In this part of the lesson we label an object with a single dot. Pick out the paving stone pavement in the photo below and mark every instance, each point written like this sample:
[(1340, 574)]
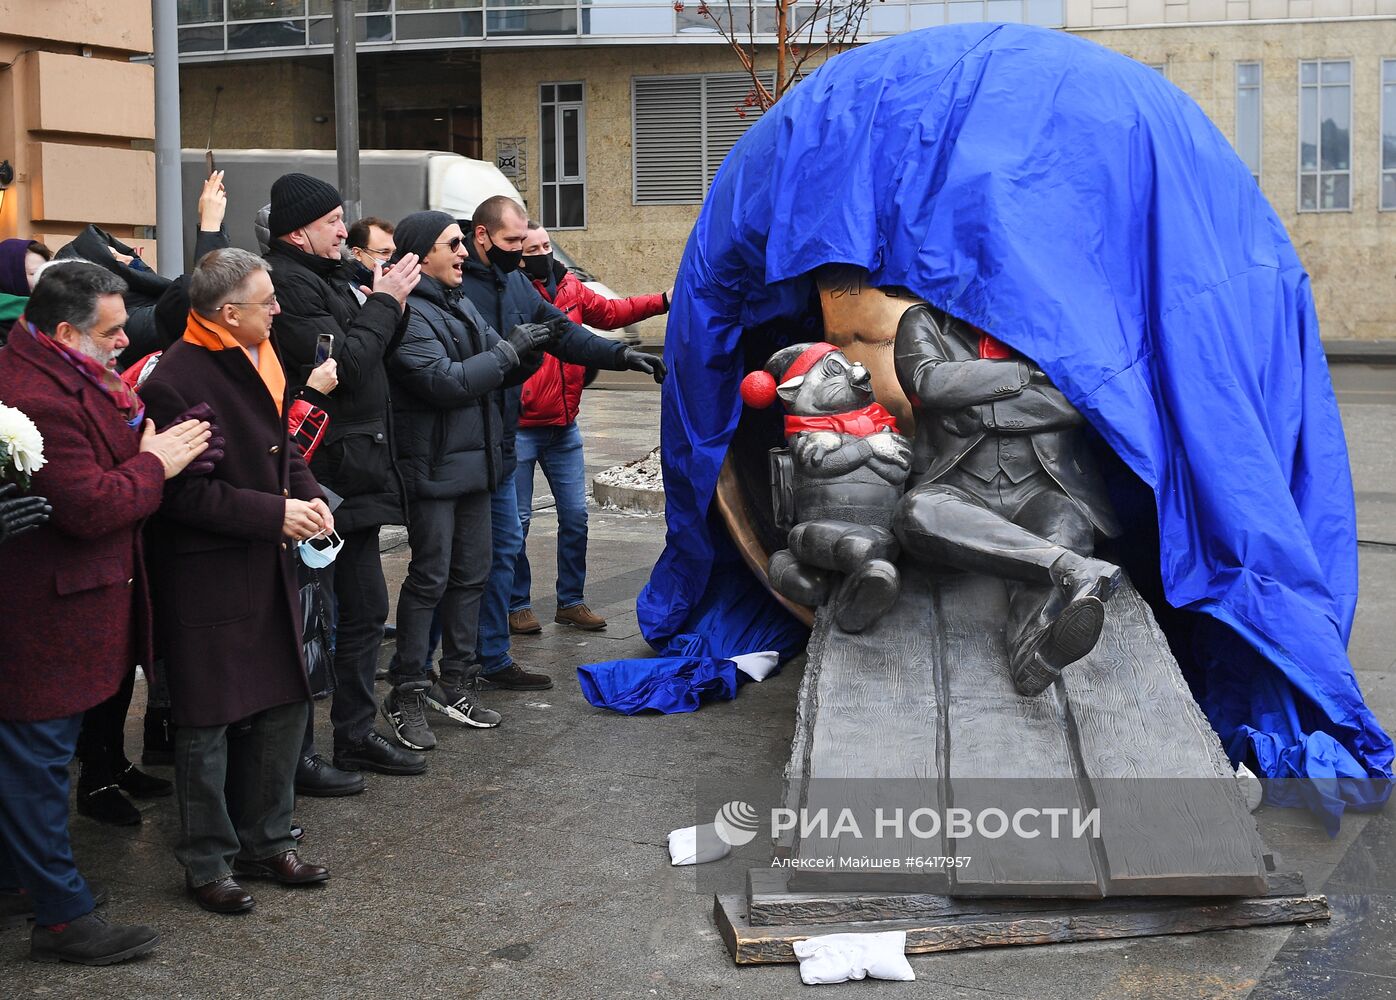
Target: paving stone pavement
[(530, 860)]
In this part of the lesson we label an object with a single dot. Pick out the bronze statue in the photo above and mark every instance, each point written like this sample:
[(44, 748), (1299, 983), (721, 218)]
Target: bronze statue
[(1002, 483), (836, 487)]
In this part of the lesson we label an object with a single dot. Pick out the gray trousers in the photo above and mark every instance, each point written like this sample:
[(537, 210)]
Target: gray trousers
[(1015, 531), (451, 543), (236, 786)]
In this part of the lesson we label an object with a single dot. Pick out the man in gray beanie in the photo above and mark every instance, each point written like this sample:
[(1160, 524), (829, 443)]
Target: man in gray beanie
[(315, 290), (448, 424)]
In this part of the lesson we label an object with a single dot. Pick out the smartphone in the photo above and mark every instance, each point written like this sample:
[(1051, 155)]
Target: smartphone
[(208, 162), (324, 346)]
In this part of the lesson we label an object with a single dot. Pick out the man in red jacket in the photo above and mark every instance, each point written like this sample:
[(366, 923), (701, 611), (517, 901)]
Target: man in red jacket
[(548, 435), (74, 592)]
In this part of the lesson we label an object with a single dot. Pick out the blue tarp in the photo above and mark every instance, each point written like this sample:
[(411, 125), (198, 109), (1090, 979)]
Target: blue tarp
[(1085, 211)]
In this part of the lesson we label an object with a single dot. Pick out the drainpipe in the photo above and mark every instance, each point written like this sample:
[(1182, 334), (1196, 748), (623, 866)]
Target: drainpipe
[(169, 209)]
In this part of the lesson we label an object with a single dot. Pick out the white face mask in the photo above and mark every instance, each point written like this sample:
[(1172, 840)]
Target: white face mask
[(318, 551)]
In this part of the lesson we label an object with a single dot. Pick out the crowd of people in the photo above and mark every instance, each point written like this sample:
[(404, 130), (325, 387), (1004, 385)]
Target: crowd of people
[(221, 453)]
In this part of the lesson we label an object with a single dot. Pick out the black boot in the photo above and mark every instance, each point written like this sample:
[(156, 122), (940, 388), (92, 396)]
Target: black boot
[(106, 804), (867, 594), (140, 785)]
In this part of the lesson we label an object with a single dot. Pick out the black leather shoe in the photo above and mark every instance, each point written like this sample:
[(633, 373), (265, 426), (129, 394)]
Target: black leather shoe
[(286, 868), (376, 754), (317, 777), (107, 805), (222, 896), (140, 785)]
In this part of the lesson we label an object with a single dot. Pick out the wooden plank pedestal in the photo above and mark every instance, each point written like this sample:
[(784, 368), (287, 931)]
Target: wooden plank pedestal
[(920, 710), (944, 923)]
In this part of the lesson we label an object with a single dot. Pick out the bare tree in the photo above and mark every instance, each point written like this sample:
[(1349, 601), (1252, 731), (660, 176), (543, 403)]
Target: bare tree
[(803, 29)]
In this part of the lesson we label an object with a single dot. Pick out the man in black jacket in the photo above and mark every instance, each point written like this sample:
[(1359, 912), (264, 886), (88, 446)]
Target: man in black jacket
[(506, 298), (356, 460), (448, 425)]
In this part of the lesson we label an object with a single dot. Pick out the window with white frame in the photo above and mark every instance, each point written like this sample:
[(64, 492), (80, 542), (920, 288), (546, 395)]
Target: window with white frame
[(563, 133), (684, 126), (1388, 135), (1325, 135), (1248, 129)]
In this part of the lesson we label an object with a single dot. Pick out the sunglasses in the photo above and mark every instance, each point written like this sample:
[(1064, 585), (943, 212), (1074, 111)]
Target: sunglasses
[(454, 243)]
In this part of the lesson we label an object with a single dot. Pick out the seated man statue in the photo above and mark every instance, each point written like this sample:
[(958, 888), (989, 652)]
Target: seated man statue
[(1002, 484)]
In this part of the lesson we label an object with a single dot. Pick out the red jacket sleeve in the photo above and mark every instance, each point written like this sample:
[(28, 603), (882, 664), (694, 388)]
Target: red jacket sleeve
[(604, 313)]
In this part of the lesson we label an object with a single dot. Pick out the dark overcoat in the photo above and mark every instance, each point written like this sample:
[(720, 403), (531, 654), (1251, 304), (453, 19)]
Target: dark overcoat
[(73, 591), (227, 606)]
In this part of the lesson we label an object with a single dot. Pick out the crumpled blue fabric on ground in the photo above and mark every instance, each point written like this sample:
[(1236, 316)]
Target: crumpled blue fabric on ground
[(1086, 212), (665, 684)]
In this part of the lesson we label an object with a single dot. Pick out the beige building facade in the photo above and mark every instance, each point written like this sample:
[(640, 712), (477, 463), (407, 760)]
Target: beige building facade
[(77, 119), (611, 121)]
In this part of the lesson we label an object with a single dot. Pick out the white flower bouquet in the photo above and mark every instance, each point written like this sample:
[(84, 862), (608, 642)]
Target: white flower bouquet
[(21, 447)]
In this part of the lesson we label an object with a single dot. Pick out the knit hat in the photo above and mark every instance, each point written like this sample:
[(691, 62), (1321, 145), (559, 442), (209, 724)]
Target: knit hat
[(298, 200), (758, 389), (13, 279), (417, 233)]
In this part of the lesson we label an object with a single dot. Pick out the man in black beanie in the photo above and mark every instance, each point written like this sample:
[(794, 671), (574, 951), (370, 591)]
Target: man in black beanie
[(315, 289), (448, 421)]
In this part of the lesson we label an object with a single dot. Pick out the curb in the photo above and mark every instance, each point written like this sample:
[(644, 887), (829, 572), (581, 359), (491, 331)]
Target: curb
[(1360, 352)]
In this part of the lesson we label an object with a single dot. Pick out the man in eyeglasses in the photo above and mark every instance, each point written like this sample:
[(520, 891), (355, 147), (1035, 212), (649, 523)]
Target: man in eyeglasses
[(370, 243), (317, 290)]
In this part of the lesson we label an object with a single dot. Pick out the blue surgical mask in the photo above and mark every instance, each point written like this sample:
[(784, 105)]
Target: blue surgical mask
[(319, 551)]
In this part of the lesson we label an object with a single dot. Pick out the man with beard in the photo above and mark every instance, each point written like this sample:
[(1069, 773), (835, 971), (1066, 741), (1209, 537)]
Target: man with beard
[(78, 585)]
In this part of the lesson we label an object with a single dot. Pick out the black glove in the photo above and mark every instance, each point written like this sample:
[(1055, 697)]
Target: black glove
[(211, 455), (650, 364), (529, 337), (20, 513)]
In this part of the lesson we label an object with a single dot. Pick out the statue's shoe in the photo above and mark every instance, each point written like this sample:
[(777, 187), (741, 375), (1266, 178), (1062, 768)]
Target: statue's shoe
[(867, 594), (1071, 636), (1082, 576), (797, 581)]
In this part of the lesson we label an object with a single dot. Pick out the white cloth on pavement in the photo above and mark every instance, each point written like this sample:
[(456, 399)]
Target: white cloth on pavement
[(837, 958), (757, 666), (696, 845)]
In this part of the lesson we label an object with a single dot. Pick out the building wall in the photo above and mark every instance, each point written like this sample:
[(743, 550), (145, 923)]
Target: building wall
[(272, 104), (74, 116), (1083, 14), (1349, 255)]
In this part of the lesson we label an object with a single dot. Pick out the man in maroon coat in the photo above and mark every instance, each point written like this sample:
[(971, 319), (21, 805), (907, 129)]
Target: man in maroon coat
[(74, 592), (227, 601)]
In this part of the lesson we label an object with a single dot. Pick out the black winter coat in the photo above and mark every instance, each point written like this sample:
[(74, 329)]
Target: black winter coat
[(508, 300), (448, 413), (356, 460)]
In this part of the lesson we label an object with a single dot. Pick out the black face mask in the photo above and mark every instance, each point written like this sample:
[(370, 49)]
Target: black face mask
[(539, 266), (505, 260)]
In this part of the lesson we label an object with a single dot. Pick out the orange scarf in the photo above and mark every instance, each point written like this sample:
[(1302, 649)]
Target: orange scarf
[(202, 333)]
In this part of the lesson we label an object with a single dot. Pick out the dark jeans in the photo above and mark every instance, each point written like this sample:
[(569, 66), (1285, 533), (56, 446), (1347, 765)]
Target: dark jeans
[(508, 542), (102, 739), (35, 854), (236, 787), (450, 542), (360, 607)]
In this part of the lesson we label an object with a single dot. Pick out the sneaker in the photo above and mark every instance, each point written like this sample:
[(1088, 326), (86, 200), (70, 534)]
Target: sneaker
[(524, 622), (580, 616), (405, 709), (90, 940), (376, 754), (453, 702), (514, 678)]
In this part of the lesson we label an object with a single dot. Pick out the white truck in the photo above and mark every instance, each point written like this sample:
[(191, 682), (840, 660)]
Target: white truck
[(393, 183)]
